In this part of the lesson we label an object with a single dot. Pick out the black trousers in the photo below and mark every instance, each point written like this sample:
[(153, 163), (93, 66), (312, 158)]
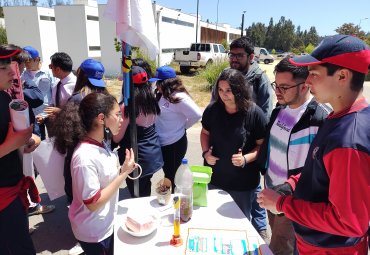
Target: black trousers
[(144, 186), (172, 157)]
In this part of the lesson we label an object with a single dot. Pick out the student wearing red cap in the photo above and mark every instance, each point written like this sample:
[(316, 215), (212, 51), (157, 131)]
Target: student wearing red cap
[(330, 206), (14, 236), (149, 149)]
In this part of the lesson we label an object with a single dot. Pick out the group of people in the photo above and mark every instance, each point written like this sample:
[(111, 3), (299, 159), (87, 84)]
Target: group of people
[(316, 165)]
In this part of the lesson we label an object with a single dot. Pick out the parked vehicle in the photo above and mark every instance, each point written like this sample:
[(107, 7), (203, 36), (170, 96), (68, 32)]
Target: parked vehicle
[(262, 55), (285, 54), (199, 55)]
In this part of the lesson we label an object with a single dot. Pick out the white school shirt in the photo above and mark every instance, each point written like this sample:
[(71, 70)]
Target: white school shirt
[(66, 89), (174, 119), (92, 167)]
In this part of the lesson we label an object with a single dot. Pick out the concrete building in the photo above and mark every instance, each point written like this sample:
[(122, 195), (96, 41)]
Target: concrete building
[(82, 31)]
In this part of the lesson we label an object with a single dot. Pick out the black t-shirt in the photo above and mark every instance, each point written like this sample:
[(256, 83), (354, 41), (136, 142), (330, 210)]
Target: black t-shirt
[(10, 165), (227, 134)]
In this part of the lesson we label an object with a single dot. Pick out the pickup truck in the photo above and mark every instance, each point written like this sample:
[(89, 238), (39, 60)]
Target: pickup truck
[(199, 55)]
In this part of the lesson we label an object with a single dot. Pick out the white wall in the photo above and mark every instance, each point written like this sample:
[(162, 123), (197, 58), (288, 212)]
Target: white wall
[(109, 57), (24, 27), (76, 33)]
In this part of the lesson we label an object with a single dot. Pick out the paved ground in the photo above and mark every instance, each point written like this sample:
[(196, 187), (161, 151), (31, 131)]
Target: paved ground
[(54, 235)]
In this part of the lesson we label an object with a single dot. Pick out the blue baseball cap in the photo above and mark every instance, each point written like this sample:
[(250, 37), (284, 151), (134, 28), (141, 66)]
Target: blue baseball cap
[(163, 73), (94, 71), (32, 52), (342, 50)]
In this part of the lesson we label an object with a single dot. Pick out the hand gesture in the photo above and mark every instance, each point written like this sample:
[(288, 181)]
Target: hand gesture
[(52, 111), (268, 199), (16, 139), (32, 144), (129, 165), (210, 159), (238, 159)]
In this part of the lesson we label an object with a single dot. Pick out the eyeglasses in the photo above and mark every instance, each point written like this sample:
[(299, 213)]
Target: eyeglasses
[(238, 56), (283, 90)]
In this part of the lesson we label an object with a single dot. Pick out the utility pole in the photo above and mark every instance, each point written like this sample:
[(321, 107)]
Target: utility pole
[(196, 32), (242, 23)]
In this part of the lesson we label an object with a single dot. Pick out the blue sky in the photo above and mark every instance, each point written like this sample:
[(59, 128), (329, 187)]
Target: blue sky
[(325, 15)]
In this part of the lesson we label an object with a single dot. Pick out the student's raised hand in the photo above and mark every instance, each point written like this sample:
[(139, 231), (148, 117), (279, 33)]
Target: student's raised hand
[(52, 111), (129, 165), (16, 139), (238, 159), (210, 159)]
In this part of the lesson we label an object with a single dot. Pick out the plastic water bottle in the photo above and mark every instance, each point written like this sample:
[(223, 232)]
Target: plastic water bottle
[(184, 189)]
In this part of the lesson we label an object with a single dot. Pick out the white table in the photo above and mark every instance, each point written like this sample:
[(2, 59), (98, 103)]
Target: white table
[(221, 213)]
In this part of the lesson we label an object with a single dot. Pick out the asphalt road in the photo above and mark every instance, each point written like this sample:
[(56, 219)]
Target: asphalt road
[(53, 234)]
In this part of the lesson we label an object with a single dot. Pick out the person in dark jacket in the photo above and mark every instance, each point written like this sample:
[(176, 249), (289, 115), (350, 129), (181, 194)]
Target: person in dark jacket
[(330, 206), (292, 127)]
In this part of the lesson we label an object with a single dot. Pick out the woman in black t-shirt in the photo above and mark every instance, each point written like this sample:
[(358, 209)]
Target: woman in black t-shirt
[(233, 130)]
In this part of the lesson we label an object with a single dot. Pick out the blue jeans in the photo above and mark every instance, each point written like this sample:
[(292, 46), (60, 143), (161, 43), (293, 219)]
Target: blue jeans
[(14, 236), (259, 220)]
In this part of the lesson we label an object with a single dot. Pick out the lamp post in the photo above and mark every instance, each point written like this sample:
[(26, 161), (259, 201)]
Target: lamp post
[(242, 23), (196, 32), (359, 24)]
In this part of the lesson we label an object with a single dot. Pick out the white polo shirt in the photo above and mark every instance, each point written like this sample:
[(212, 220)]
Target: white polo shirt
[(93, 167)]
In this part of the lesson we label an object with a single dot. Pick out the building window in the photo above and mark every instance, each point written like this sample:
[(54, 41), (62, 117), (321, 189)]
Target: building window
[(94, 48), (47, 18), (177, 22), (95, 18)]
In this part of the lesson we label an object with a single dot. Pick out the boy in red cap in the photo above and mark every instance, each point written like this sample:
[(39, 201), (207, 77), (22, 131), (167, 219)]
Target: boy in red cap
[(14, 236), (330, 206)]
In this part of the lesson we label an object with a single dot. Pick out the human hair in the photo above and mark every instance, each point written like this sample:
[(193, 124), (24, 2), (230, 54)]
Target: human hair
[(357, 81), (84, 86), (244, 43), (62, 60), (145, 101), (168, 87), (5, 50), (75, 120), (238, 85), (298, 72), (143, 64)]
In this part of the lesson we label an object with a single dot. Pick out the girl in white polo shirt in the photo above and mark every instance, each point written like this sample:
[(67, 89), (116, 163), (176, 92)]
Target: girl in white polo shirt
[(96, 174), (178, 113)]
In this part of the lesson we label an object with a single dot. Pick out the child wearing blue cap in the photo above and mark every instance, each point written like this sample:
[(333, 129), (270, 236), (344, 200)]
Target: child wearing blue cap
[(178, 113)]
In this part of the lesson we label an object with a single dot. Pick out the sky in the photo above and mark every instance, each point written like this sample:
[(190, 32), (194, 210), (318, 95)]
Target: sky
[(325, 15)]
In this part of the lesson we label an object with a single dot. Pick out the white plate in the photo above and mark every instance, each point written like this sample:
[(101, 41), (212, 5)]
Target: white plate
[(142, 233)]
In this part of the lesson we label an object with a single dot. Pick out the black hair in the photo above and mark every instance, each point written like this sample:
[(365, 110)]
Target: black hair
[(145, 102), (298, 72), (75, 120), (244, 43), (143, 64), (357, 81), (168, 87), (62, 60), (5, 50), (84, 86), (239, 88)]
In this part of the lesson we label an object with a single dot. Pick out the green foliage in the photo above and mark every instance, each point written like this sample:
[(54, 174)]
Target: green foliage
[(211, 73), (225, 44), (309, 48), (3, 38), (351, 29), (137, 53), (273, 51)]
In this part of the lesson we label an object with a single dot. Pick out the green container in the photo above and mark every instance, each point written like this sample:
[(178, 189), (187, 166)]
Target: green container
[(202, 176)]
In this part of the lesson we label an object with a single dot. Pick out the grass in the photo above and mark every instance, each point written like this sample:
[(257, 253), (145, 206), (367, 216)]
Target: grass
[(195, 82)]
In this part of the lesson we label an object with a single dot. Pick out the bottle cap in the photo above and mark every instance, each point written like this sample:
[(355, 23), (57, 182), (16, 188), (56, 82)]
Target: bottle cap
[(184, 161)]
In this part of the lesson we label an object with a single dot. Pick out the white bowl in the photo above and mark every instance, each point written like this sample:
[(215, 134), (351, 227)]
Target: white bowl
[(142, 233)]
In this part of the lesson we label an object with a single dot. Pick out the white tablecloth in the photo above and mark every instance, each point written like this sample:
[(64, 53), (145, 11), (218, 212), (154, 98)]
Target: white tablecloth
[(221, 213)]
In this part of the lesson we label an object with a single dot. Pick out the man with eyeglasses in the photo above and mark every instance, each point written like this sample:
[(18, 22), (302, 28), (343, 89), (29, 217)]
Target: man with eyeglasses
[(292, 127)]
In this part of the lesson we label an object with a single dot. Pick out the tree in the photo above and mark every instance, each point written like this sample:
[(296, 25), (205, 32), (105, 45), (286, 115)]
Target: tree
[(351, 29), (257, 34), (312, 37), (269, 41), (3, 38)]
